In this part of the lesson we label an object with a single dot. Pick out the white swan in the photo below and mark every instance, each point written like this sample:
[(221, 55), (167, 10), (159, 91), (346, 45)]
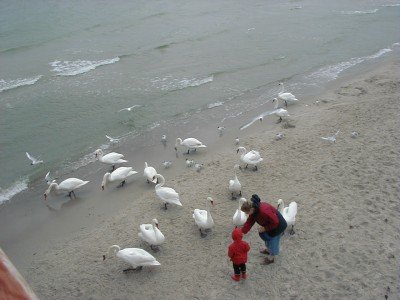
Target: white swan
[(68, 185), (151, 234), (239, 218), (189, 162), (120, 174), (286, 97), (234, 184), (250, 158), (190, 143), (136, 257), (288, 213), (149, 173), (111, 158), (203, 218), (237, 141), (166, 194)]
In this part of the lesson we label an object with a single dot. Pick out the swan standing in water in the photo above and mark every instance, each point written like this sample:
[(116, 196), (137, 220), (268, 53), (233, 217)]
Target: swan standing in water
[(120, 174), (286, 97), (250, 158), (136, 257), (151, 234), (111, 158), (239, 218), (166, 194), (288, 213), (203, 218), (234, 184), (68, 185), (190, 143), (149, 173)]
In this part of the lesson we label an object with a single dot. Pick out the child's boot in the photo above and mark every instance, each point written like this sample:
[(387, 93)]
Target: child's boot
[(244, 275), (235, 277)]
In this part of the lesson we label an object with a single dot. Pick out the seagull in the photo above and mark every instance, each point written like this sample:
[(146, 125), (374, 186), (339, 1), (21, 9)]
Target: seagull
[(354, 134), (331, 138), (221, 130), (237, 141), (189, 162), (129, 108), (163, 138), (112, 140), (198, 167), (279, 136), (167, 164), (34, 161)]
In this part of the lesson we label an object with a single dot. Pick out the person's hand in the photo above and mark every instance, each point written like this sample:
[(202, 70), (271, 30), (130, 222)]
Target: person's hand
[(261, 229)]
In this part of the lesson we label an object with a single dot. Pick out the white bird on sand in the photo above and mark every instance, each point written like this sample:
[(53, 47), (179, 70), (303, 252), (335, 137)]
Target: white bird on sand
[(112, 140), (332, 138), (163, 138), (354, 134), (237, 141), (34, 160), (151, 234), (279, 136), (189, 162), (68, 185), (250, 158), (129, 108), (119, 174), (239, 218), (198, 167), (234, 184), (136, 257), (203, 218), (190, 143), (149, 173), (286, 97), (112, 158), (167, 163), (288, 213), (221, 130), (281, 113), (166, 194)]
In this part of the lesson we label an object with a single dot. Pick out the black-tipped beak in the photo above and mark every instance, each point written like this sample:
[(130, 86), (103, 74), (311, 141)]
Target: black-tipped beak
[(102, 187), (104, 257), (237, 151), (45, 197)]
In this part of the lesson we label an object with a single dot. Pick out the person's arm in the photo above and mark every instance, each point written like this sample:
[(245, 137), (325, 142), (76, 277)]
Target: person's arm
[(230, 252), (249, 223)]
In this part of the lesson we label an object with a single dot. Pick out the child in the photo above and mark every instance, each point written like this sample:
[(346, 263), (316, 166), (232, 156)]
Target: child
[(237, 251)]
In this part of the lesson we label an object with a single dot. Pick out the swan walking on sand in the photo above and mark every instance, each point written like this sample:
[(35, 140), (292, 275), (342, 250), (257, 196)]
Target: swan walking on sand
[(166, 194), (286, 97), (120, 174), (190, 143), (239, 218), (111, 158), (250, 158), (151, 234), (203, 218), (149, 173), (234, 184), (136, 257), (68, 185), (288, 213)]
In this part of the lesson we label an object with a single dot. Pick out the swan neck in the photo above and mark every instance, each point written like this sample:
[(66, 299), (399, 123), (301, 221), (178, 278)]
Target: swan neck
[(105, 178), (114, 249), (53, 185), (282, 88), (159, 176)]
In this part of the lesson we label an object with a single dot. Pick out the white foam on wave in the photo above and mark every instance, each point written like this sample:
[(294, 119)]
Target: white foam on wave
[(17, 187), (12, 84), (359, 12), (391, 5), (216, 104), (71, 68), (333, 71), (172, 84)]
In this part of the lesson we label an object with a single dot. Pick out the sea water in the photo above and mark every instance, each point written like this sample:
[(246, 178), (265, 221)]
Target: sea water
[(67, 69)]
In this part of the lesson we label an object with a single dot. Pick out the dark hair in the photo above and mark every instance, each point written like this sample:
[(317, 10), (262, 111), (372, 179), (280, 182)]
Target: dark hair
[(256, 200)]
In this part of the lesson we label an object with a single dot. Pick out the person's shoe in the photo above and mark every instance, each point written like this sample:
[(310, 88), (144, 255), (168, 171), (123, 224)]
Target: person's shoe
[(268, 261), (235, 277), (244, 275), (264, 251)]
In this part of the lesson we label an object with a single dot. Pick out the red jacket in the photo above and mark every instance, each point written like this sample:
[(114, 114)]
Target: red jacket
[(266, 217), (237, 251)]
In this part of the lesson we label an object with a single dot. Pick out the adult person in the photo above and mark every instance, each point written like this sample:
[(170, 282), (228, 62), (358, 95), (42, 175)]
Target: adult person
[(272, 225)]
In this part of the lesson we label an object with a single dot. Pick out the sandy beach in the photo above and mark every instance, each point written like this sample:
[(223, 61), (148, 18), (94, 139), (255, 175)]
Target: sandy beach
[(346, 244)]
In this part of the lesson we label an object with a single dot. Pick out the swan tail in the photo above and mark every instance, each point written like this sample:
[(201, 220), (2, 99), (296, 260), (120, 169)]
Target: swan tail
[(120, 161), (292, 211), (83, 183)]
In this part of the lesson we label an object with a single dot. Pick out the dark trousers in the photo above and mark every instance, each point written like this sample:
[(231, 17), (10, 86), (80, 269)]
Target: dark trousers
[(239, 268)]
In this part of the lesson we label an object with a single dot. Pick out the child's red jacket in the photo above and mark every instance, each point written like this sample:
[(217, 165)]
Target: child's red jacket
[(237, 251)]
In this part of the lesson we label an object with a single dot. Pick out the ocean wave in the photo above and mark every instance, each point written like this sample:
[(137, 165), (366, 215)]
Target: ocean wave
[(216, 104), (17, 187), (391, 5), (71, 68), (359, 12), (172, 84), (12, 84), (333, 71)]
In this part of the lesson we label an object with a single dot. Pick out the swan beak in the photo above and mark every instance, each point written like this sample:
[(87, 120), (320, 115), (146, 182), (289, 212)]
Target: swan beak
[(157, 225), (104, 257), (45, 197), (176, 149), (237, 151), (278, 206), (212, 202), (102, 187)]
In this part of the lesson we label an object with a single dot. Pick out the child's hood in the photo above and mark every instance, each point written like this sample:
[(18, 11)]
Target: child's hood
[(237, 234)]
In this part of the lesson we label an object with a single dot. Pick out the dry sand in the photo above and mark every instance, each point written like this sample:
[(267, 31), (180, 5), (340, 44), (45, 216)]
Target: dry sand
[(346, 243)]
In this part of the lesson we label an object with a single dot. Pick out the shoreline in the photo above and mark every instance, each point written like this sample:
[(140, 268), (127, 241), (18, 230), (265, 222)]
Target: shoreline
[(276, 179)]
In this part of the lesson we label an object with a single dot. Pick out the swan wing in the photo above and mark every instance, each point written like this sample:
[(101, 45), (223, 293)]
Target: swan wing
[(200, 217), (136, 256), (149, 174), (147, 233), (292, 211), (193, 143), (121, 173), (71, 183), (287, 97), (168, 195), (253, 157)]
